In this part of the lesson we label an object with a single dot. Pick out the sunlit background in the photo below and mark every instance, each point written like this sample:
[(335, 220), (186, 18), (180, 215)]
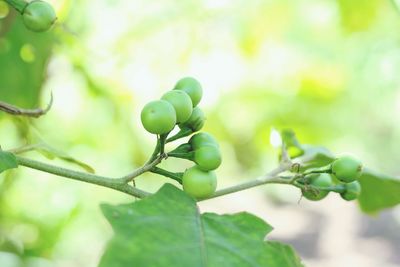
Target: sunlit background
[(329, 69)]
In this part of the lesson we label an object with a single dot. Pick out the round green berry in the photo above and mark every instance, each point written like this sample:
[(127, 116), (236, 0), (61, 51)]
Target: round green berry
[(181, 103), (158, 117), (198, 183), (347, 169), (39, 16), (201, 139), (192, 87), (208, 157), (196, 120), (320, 181), (353, 190)]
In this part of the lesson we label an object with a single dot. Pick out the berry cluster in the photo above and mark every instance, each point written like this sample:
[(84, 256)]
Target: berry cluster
[(178, 107), (343, 171)]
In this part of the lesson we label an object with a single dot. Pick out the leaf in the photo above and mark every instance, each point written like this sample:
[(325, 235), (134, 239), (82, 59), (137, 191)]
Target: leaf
[(291, 142), (314, 157), (24, 56), (7, 161), (51, 153), (166, 229), (378, 191), (354, 18), (282, 255)]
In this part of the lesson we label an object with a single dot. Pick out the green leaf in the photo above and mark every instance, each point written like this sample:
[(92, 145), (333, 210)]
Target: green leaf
[(51, 153), (7, 161), (282, 255), (292, 144), (378, 191), (166, 229), (24, 56), (314, 157)]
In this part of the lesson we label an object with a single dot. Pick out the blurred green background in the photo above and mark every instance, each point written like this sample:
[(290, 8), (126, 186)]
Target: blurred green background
[(329, 69)]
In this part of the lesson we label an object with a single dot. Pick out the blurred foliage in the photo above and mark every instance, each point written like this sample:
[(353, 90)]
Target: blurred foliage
[(325, 68), (378, 191), (23, 56)]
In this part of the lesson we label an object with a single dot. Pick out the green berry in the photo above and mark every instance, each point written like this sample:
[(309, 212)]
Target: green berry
[(352, 192), (198, 183), (192, 87), (181, 103), (158, 117), (322, 180), (201, 139), (347, 169), (39, 16), (196, 120), (208, 157)]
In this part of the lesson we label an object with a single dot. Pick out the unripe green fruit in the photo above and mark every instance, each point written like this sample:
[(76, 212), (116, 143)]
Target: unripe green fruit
[(208, 157), (347, 169), (192, 87), (198, 183), (352, 192), (322, 180), (158, 117), (196, 120), (201, 139), (181, 103), (39, 16)]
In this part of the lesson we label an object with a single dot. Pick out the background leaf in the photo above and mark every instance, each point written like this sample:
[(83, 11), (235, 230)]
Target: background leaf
[(23, 59), (166, 229), (378, 192), (7, 161), (281, 255), (51, 153)]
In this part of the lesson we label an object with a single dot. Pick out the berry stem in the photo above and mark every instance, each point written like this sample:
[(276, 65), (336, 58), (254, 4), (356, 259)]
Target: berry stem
[(175, 176), (162, 140), (270, 178), (182, 155), (182, 133), (19, 5)]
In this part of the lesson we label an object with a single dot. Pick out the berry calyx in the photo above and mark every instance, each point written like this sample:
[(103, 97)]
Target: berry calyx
[(196, 120)]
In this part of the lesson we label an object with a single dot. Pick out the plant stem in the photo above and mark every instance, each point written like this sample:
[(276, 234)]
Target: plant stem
[(270, 178), (188, 156), (155, 152), (145, 168), (19, 5), (163, 139), (175, 176), (24, 149), (83, 177), (121, 184), (17, 111), (182, 133)]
